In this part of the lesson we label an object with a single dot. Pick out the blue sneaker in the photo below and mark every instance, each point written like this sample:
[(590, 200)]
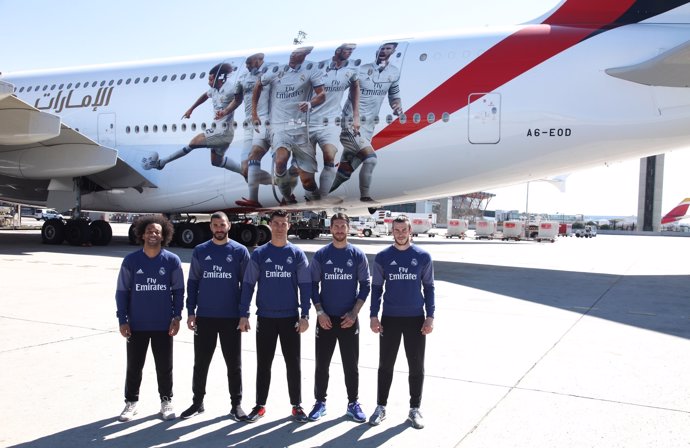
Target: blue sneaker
[(354, 411), (318, 411)]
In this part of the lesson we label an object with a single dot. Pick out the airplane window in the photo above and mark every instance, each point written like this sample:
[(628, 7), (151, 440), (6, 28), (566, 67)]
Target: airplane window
[(155, 78), (183, 76), (325, 121), (203, 125), (357, 62), (86, 85), (146, 128), (403, 119), (416, 118), (376, 119), (445, 117), (389, 119), (128, 129), (52, 87), (193, 127), (128, 81), (173, 77), (111, 82), (164, 78), (202, 75), (337, 121), (174, 128), (183, 128), (136, 81), (93, 84), (164, 128), (192, 76), (422, 57), (146, 80), (136, 129), (102, 83), (119, 82), (234, 124), (45, 87), (362, 119), (69, 86), (76, 86), (155, 128), (431, 117)]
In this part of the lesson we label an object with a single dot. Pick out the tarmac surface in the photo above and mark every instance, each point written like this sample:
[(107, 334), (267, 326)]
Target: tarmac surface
[(578, 343)]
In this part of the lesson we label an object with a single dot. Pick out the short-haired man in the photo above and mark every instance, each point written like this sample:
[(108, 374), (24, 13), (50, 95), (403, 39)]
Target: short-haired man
[(219, 135), (284, 285), (406, 273), (149, 298), (340, 273), (213, 312)]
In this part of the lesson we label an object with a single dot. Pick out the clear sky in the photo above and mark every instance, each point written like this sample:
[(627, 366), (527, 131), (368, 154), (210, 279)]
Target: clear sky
[(61, 33)]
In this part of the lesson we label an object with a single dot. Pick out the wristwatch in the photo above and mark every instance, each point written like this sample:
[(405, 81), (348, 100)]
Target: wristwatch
[(320, 313), (306, 317)]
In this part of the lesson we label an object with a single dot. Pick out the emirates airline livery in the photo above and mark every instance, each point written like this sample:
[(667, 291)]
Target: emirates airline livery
[(348, 126), (679, 212)]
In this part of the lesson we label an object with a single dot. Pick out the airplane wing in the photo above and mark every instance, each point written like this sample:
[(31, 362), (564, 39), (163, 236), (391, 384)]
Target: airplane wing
[(40, 155), (669, 69)]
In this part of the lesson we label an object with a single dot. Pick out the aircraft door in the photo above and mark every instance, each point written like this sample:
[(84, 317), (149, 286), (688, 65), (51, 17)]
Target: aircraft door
[(106, 130), (484, 125)]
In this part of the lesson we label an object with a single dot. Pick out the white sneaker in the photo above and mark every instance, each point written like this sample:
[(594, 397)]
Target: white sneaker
[(416, 418), (129, 411), (167, 412)]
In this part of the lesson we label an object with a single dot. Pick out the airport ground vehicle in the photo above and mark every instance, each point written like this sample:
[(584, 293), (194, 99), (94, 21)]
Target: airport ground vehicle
[(457, 228), (588, 232), (44, 214)]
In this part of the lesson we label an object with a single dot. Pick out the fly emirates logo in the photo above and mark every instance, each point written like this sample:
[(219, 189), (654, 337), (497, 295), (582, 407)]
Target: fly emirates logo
[(402, 274), (151, 285), (338, 274), (217, 272), (278, 272)]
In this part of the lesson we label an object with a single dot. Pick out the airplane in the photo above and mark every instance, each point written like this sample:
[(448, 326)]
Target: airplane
[(678, 212), (585, 84)]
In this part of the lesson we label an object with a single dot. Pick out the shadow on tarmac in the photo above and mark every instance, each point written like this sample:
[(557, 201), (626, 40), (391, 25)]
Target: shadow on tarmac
[(150, 431)]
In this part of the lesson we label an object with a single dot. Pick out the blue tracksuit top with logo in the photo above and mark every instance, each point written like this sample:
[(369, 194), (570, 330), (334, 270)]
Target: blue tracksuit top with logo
[(215, 278), (150, 291), (343, 277), (408, 276), (280, 272)]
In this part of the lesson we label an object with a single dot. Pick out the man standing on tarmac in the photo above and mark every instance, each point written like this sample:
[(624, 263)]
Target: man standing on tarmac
[(149, 298), (213, 299), (407, 272), (280, 269), (342, 271)]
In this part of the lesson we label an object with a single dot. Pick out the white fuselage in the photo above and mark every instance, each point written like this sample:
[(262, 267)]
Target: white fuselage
[(498, 125)]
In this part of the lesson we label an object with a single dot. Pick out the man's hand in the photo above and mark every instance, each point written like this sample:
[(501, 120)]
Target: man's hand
[(244, 326), (375, 325), (348, 319), (125, 331), (324, 321), (428, 325), (191, 322), (174, 327), (302, 325)]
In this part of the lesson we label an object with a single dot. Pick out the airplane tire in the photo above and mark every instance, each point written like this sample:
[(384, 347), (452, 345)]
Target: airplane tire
[(77, 232), (131, 235), (263, 233), (205, 230), (188, 235), (303, 234), (53, 231), (247, 235), (101, 233)]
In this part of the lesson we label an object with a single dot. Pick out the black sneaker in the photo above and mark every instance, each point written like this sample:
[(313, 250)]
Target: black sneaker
[(194, 409), (257, 412), (299, 414), (237, 414)]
